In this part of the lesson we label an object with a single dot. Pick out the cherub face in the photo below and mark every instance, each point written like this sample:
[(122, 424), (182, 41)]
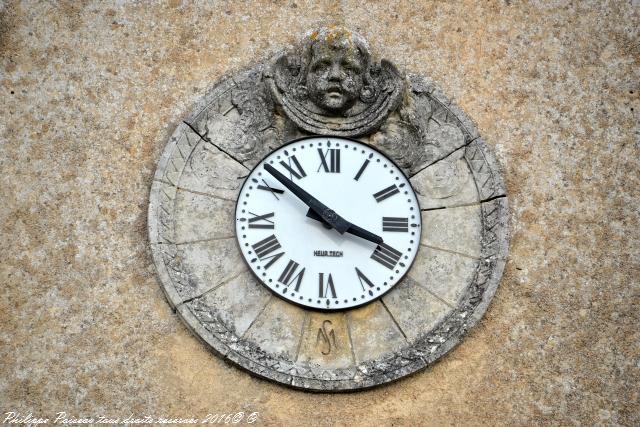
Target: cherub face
[(334, 79)]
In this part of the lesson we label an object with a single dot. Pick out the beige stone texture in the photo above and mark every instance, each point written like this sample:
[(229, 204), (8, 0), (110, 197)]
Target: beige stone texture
[(91, 92)]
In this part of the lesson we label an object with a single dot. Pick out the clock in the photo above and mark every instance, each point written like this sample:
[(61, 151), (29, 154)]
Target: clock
[(328, 223), (325, 222)]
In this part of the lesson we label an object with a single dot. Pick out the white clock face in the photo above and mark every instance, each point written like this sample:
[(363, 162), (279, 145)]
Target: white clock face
[(304, 258)]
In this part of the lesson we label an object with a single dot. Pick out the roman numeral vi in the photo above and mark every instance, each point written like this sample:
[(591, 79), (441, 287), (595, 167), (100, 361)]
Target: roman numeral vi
[(326, 287)]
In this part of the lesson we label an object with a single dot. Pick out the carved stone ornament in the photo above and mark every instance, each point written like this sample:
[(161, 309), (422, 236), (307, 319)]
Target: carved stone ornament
[(308, 85), (329, 85)]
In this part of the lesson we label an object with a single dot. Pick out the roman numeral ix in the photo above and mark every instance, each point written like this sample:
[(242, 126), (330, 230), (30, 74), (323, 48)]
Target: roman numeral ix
[(332, 164)]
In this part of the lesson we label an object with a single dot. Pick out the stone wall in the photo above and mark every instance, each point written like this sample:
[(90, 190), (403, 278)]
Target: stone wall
[(90, 94)]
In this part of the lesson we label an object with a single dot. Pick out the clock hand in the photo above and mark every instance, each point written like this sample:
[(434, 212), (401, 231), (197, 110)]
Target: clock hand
[(267, 187), (328, 215), (353, 229)]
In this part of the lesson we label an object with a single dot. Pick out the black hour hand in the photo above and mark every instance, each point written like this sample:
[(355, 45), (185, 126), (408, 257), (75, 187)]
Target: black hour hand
[(353, 229)]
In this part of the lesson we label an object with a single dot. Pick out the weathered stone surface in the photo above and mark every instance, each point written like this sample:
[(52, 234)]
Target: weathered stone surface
[(176, 155), (202, 217), (277, 329), (238, 302), (374, 333), (97, 91), (446, 183), (159, 218), (210, 171), (200, 263), (456, 229), (415, 309), (445, 274)]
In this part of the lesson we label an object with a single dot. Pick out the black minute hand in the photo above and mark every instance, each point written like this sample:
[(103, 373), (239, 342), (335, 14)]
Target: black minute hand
[(328, 215)]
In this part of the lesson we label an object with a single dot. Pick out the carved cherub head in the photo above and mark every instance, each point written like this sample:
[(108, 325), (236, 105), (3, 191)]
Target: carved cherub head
[(328, 84), (337, 69)]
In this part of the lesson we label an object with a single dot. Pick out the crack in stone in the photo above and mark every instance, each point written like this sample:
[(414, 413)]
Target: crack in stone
[(200, 193), (395, 322), (257, 316), (348, 323), (205, 240), (436, 209), (501, 196), (465, 145), (433, 294), (449, 251), (219, 148), (464, 205), (222, 283), (304, 326), (164, 182)]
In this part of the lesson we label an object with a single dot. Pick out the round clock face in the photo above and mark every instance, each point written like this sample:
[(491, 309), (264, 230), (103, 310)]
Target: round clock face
[(328, 223)]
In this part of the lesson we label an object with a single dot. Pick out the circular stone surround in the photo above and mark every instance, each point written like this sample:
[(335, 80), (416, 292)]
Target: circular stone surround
[(454, 276)]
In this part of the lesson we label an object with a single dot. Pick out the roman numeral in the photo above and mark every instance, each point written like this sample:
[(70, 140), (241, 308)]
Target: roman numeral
[(361, 278), (271, 189), (390, 223), (289, 275), (361, 170), (267, 187), (295, 169), (386, 193), (327, 287), (265, 247), (333, 164), (261, 221), (386, 255)]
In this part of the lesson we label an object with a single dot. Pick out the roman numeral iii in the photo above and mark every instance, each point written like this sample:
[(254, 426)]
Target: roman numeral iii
[(386, 255), (265, 247), (289, 275), (386, 193), (391, 223), (329, 160), (326, 287)]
